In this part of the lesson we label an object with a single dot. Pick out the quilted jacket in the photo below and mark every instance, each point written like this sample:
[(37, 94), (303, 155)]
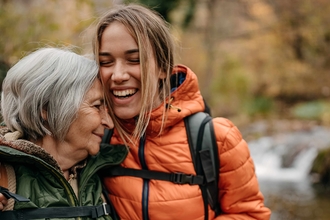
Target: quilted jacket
[(136, 198), (39, 178)]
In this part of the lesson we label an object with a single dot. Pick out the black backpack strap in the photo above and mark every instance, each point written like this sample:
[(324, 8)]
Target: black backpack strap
[(207, 108), (178, 178), (212, 181), (107, 136), (114, 214), (57, 212), (204, 153), (9, 195)]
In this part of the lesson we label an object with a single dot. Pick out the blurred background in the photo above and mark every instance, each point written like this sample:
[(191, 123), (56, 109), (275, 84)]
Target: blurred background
[(264, 64)]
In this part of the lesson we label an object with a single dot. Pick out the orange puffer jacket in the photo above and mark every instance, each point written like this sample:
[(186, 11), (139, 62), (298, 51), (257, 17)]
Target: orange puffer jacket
[(135, 198)]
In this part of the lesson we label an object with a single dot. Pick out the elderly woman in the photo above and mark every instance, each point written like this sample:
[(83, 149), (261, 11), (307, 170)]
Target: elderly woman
[(52, 106)]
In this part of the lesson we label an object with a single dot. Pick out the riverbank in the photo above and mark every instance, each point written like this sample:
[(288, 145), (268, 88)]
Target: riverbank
[(283, 152)]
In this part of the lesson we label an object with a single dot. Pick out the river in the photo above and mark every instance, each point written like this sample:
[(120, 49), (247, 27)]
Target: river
[(283, 156)]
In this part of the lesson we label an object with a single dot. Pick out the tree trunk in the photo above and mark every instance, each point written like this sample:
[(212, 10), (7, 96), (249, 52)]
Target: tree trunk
[(210, 48)]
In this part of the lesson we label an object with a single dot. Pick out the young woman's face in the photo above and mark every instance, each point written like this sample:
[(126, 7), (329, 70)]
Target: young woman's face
[(120, 70)]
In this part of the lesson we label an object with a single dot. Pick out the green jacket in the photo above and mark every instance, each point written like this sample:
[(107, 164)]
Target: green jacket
[(39, 178)]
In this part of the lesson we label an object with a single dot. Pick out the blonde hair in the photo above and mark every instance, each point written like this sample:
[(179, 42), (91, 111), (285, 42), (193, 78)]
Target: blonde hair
[(151, 33)]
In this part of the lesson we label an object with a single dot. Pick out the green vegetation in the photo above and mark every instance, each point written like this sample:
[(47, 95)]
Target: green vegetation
[(321, 168), (314, 110), (254, 59)]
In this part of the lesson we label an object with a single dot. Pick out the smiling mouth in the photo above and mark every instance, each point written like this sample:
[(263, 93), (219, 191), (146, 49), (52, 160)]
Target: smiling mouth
[(99, 135), (124, 93)]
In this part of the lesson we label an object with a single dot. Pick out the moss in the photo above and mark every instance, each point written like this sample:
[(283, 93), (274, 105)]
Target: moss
[(321, 167)]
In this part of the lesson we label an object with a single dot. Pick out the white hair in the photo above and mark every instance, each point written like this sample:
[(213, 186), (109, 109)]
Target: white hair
[(51, 79)]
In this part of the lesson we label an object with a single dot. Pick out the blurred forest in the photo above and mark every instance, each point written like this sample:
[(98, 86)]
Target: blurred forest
[(255, 59)]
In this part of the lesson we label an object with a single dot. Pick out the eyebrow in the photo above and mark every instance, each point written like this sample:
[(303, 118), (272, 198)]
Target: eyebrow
[(132, 51), (105, 54), (95, 96)]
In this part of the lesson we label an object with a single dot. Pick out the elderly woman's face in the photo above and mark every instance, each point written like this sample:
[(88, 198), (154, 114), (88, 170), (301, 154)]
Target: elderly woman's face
[(85, 133)]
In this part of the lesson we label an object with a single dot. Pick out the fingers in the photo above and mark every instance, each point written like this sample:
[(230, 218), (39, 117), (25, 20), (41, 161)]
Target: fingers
[(3, 201)]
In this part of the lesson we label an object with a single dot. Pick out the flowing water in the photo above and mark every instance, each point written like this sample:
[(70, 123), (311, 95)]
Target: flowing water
[(283, 161)]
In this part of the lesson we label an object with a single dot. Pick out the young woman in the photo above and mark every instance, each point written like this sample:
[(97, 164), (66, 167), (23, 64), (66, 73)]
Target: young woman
[(150, 98)]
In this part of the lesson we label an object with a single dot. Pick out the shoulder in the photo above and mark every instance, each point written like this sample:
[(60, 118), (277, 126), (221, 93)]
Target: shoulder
[(226, 130), (228, 135), (111, 154)]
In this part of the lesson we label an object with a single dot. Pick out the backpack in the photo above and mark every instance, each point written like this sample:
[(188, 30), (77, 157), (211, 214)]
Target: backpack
[(204, 153)]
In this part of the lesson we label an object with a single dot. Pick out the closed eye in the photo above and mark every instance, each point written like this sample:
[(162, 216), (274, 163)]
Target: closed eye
[(105, 63), (105, 59), (97, 106), (134, 61)]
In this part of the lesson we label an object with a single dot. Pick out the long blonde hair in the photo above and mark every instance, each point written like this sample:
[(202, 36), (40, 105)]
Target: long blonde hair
[(151, 33)]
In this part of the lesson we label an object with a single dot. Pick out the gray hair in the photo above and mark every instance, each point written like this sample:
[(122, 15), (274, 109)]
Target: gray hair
[(49, 79)]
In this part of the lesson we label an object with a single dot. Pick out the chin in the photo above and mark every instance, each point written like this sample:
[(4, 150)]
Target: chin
[(125, 116), (96, 151)]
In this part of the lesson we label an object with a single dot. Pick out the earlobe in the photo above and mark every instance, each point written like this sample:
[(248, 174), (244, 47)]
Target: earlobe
[(162, 75), (44, 115)]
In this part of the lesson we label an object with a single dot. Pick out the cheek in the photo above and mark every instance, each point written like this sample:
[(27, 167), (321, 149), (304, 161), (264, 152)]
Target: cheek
[(105, 74), (137, 72)]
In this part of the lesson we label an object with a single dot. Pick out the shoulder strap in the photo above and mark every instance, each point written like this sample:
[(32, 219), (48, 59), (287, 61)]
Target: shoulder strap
[(204, 153), (178, 178), (57, 212), (107, 136), (105, 192)]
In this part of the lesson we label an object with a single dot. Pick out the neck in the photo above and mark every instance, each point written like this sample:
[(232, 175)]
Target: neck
[(60, 151)]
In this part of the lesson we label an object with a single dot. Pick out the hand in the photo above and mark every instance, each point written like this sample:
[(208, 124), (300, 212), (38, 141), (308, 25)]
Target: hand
[(3, 201)]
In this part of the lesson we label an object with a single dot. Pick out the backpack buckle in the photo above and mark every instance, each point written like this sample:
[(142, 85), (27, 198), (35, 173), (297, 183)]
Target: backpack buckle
[(105, 210), (181, 178), (101, 210)]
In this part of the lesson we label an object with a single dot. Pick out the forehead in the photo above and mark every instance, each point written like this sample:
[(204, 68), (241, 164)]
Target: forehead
[(117, 34), (117, 39), (95, 92)]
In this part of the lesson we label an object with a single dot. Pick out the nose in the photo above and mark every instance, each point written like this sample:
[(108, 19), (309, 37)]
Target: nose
[(119, 73), (106, 119)]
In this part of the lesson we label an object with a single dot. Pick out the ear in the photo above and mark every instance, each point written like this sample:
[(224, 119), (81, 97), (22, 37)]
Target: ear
[(162, 75), (44, 114)]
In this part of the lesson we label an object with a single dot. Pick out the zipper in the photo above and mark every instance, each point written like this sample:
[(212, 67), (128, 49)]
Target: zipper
[(145, 188)]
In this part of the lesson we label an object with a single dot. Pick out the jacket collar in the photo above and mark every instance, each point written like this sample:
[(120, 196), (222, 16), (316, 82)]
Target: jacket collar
[(26, 147)]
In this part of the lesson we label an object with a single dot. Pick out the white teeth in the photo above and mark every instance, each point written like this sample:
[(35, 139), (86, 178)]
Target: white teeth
[(123, 92)]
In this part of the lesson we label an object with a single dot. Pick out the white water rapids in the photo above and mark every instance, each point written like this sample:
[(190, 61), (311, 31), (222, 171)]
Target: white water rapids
[(283, 162)]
